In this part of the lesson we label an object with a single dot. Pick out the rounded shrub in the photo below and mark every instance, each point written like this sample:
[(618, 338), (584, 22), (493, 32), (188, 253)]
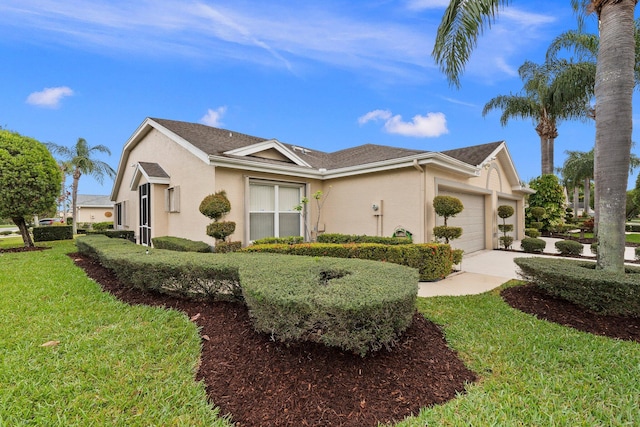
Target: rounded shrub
[(569, 247), (215, 206), (532, 232), (505, 211), (220, 230), (506, 241), (447, 233), (532, 245), (447, 206)]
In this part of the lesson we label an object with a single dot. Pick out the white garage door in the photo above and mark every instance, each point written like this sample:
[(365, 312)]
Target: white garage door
[(513, 220), (471, 219)]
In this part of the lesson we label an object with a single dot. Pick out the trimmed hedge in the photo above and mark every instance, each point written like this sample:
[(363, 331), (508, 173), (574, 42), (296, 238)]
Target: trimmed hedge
[(185, 274), (532, 244), (433, 260), (226, 247), (290, 240), (353, 238), (179, 244), (50, 233), (116, 234), (569, 247), (357, 305), (635, 228), (583, 284)]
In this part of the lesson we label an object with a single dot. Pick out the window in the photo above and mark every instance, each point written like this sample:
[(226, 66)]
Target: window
[(271, 210), (121, 214), (172, 199)]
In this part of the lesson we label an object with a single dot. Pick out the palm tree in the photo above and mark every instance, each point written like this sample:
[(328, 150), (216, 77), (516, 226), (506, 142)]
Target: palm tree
[(578, 169), (539, 102), (457, 36), (80, 159)]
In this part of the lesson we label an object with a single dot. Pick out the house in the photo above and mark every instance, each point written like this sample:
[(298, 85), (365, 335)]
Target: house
[(93, 208), (167, 167)]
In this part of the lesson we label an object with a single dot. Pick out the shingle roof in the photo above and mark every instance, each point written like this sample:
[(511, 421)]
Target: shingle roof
[(153, 170), (215, 141), (88, 200), (473, 155)]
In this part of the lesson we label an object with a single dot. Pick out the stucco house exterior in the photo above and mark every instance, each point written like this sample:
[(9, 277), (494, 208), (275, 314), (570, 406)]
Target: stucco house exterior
[(91, 208), (167, 167)]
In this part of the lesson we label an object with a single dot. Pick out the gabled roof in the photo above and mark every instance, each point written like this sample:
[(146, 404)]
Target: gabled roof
[(222, 147), (92, 200)]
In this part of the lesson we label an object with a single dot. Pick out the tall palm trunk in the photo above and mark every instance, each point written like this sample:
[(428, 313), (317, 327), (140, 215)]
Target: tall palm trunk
[(576, 198), (614, 90), (587, 195), (74, 200)]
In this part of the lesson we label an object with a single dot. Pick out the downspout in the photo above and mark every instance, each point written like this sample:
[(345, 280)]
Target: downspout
[(423, 202)]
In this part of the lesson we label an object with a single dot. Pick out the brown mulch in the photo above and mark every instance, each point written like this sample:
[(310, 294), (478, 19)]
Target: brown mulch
[(24, 249), (263, 383), (532, 299)]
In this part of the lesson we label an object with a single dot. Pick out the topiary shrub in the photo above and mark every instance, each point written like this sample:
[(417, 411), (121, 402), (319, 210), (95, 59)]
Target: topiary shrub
[(447, 207), (533, 245), (220, 230), (215, 206), (504, 212), (532, 232), (569, 247), (226, 247)]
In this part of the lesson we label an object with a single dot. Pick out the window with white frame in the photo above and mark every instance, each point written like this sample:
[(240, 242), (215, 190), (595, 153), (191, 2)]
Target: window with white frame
[(172, 199), (272, 210)]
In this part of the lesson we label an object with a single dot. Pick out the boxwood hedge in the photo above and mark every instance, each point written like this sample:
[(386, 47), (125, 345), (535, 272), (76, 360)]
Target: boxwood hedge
[(180, 244), (581, 283), (357, 305)]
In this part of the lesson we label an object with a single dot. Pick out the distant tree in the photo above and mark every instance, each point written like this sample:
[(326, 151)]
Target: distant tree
[(550, 196), (80, 158), (30, 180)]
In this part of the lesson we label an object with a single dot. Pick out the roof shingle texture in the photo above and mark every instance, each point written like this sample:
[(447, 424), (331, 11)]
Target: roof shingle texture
[(215, 141)]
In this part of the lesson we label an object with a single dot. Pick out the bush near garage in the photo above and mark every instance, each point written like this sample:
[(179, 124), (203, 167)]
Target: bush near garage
[(434, 261), (358, 306), (581, 283), (569, 247), (532, 244), (47, 234), (179, 244)]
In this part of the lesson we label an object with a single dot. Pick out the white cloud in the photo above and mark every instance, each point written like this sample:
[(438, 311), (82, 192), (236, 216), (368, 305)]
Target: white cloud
[(49, 97), (430, 125), (375, 115), (214, 117)]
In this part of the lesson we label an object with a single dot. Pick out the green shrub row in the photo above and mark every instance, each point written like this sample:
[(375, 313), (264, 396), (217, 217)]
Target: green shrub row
[(433, 260), (101, 226), (583, 284), (569, 247), (356, 305), (188, 274), (532, 232), (179, 244), (289, 240), (226, 247), (50, 233), (352, 238), (115, 234)]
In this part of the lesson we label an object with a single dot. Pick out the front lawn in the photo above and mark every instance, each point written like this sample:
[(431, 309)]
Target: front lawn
[(116, 364)]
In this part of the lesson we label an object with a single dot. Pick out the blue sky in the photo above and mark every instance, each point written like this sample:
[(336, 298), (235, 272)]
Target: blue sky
[(326, 75)]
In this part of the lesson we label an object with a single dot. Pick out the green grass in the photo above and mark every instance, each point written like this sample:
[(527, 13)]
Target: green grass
[(534, 373), (123, 365), (629, 237), (114, 365)]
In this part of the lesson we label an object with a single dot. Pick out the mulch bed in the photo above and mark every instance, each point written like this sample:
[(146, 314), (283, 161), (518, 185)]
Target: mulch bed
[(264, 383), (533, 300)]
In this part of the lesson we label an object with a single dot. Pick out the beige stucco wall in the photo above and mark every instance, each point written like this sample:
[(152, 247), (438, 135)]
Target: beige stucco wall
[(195, 178), (399, 193), (94, 214)]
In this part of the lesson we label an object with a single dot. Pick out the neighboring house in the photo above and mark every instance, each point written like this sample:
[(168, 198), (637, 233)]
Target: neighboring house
[(167, 167), (92, 208)]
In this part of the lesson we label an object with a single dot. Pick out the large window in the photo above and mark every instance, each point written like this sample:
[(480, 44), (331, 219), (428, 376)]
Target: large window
[(272, 210)]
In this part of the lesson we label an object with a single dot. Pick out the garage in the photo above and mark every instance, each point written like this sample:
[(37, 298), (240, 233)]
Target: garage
[(471, 219), (513, 220)]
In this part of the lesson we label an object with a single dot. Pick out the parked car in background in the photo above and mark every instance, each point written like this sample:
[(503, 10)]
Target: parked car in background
[(49, 221)]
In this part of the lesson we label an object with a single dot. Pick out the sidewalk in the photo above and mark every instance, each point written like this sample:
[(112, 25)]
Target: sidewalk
[(485, 270)]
